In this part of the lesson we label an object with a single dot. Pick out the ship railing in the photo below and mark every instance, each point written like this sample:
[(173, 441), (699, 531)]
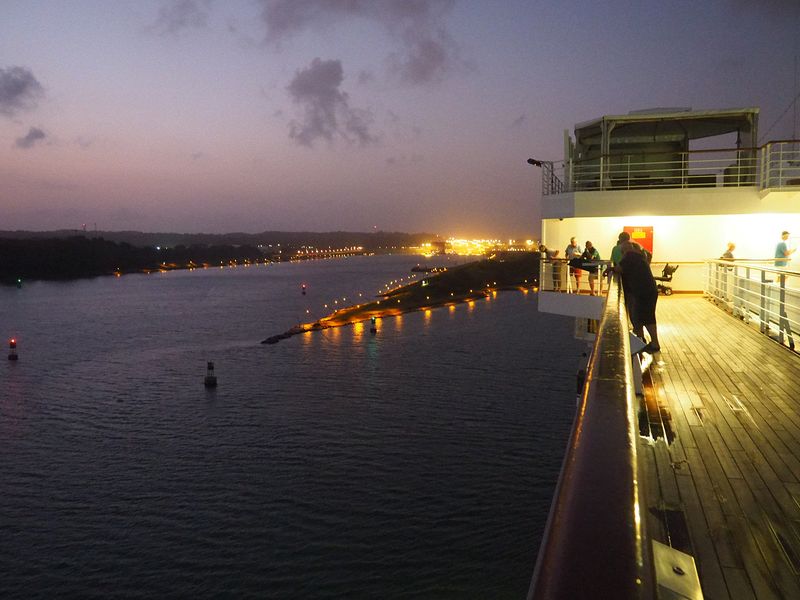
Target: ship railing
[(552, 179), (773, 166), (598, 504), (693, 169), (555, 275), (759, 293), (780, 162)]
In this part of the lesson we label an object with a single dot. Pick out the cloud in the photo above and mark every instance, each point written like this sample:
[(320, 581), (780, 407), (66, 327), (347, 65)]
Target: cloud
[(427, 52), (404, 160), (517, 123), (84, 142), (19, 90), (327, 113), (176, 15), (34, 135), (365, 77)]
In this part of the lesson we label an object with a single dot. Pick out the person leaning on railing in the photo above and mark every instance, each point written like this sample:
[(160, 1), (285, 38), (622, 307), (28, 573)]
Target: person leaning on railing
[(641, 293), (728, 254), (550, 256)]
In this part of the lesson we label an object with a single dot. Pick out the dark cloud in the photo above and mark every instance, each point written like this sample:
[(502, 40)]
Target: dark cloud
[(177, 15), (34, 135), (517, 123), (327, 113), (19, 90), (427, 51)]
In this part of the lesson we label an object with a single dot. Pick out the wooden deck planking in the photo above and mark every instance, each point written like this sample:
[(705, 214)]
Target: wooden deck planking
[(736, 417)]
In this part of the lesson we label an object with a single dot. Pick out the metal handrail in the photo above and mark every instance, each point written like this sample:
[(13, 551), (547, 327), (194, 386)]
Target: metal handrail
[(556, 276), (768, 296), (594, 542), (774, 165)]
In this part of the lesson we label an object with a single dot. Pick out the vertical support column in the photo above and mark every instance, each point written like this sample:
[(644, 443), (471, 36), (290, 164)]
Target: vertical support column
[(764, 314)]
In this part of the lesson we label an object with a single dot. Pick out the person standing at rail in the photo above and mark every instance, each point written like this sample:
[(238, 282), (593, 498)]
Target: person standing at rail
[(574, 251), (591, 254), (782, 251)]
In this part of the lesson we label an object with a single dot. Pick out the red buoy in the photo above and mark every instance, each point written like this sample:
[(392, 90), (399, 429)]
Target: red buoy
[(12, 349)]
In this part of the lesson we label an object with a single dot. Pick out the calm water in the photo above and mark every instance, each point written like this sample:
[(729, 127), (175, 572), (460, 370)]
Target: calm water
[(418, 463)]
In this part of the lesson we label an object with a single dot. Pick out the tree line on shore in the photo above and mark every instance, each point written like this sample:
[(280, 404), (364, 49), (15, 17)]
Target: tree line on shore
[(79, 256)]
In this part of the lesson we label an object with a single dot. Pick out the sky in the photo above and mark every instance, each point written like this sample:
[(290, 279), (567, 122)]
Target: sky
[(320, 115)]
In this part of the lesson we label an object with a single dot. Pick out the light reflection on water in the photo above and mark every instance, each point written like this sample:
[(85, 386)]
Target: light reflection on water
[(417, 462)]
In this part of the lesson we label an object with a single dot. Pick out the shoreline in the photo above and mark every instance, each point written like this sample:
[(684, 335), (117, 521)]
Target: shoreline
[(462, 284)]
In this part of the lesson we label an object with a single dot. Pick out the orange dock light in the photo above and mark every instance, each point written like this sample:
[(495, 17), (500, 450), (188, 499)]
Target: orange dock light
[(12, 349)]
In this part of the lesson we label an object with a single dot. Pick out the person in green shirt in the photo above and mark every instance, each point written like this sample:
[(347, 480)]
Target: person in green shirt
[(616, 251), (783, 251)]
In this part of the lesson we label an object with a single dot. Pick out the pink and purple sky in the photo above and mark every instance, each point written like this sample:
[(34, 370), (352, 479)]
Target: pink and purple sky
[(408, 115)]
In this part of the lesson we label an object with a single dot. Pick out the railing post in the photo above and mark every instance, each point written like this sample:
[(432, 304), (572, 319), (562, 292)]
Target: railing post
[(628, 174), (781, 305), (602, 175), (764, 315), (684, 170), (735, 296)]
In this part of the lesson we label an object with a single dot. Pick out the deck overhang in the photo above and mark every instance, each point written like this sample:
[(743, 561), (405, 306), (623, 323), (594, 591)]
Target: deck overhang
[(701, 201)]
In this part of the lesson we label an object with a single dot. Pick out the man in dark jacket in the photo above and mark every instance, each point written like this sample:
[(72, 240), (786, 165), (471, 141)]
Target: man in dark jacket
[(641, 293)]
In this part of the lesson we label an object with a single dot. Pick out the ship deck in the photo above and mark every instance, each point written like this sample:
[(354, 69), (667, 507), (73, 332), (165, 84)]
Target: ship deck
[(727, 488)]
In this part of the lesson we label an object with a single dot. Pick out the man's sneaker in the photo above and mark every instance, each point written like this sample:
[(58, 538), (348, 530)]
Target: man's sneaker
[(650, 348)]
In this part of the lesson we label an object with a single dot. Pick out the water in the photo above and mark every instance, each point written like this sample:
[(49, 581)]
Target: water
[(417, 463)]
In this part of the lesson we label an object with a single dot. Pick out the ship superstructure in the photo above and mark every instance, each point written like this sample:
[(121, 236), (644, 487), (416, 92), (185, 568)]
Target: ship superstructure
[(681, 478)]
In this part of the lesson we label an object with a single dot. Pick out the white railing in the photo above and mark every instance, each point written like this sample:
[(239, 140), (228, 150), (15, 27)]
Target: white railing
[(781, 161), (685, 170), (555, 275), (775, 165), (758, 293)]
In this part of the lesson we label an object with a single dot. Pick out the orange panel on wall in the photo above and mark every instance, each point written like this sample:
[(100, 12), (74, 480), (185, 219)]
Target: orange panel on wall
[(642, 236)]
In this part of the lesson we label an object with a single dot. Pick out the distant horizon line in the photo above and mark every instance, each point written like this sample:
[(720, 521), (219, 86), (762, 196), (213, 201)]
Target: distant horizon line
[(93, 231)]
